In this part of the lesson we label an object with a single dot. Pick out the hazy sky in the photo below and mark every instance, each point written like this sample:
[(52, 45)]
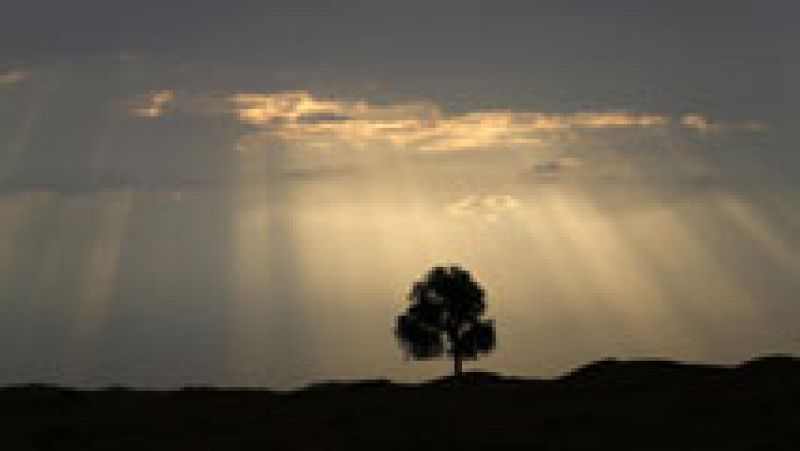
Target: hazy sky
[(241, 193)]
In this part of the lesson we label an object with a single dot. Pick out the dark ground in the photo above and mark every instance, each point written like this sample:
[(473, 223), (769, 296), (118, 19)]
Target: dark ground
[(641, 405)]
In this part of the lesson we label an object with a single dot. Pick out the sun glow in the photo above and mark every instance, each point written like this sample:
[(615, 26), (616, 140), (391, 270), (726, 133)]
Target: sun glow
[(315, 212)]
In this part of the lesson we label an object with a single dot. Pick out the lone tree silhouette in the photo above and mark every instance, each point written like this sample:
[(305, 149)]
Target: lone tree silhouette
[(446, 304)]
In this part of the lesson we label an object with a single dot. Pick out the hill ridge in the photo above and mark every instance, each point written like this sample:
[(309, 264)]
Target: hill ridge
[(640, 404)]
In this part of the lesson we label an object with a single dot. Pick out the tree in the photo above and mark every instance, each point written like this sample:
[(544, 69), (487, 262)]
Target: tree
[(446, 305)]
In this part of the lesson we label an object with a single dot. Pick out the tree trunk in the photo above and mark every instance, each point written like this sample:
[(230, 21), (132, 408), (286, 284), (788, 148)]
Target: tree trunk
[(455, 342)]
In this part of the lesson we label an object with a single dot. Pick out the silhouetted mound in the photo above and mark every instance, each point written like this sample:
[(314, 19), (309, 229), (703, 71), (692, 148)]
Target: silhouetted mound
[(604, 405)]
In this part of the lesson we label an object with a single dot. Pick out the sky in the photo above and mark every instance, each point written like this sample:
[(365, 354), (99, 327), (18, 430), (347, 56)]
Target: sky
[(242, 194)]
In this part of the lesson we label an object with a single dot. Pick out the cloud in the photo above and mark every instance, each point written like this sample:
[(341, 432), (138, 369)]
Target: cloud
[(299, 117), (317, 173), (629, 183), (104, 184), (152, 104), (703, 124), (13, 77), (487, 207), (553, 167)]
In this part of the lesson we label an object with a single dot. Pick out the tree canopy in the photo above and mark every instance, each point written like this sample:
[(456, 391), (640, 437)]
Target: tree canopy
[(445, 316)]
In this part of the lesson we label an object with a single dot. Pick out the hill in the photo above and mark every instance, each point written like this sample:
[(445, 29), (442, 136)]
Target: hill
[(653, 405)]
